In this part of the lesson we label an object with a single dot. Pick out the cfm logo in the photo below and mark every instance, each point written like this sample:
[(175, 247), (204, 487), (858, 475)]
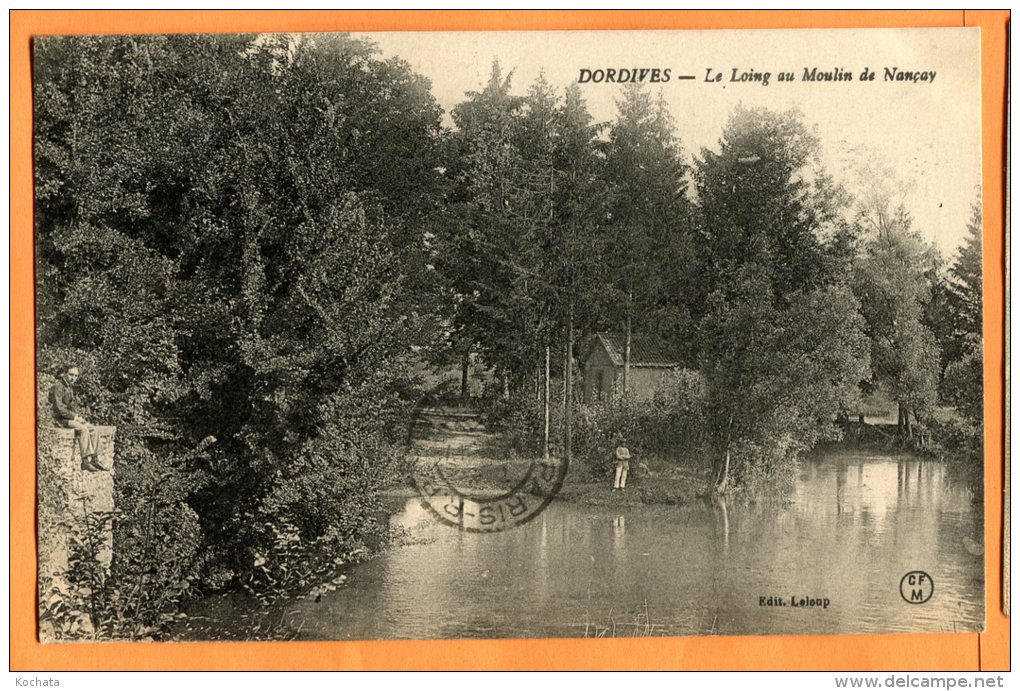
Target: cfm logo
[(916, 587)]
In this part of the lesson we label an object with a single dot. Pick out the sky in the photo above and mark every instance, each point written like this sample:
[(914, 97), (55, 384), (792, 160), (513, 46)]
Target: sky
[(926, 133)]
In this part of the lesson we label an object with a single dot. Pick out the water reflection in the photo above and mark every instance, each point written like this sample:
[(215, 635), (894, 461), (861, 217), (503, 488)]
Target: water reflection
[(722, 505), (619, 531), (847, 530)]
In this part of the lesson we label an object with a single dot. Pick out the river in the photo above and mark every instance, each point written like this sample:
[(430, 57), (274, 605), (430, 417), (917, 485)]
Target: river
[(844, 535)]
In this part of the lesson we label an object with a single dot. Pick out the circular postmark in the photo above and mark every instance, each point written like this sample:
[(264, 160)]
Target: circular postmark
[(481, 513), (437, 430), (916, 587)]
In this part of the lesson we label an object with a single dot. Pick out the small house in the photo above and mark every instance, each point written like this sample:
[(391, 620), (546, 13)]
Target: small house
[(650, 361)]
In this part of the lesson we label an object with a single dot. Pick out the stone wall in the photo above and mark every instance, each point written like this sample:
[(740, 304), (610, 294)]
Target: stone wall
[(67, 499)]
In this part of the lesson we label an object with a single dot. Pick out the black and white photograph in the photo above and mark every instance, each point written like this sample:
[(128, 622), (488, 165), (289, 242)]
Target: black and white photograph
[(484, 335)]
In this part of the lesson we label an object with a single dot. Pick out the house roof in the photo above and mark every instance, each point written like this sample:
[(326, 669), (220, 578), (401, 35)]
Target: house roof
[(646, 350)]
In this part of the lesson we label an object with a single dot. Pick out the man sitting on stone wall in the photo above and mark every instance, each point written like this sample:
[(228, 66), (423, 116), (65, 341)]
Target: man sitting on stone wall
[(66, 413)]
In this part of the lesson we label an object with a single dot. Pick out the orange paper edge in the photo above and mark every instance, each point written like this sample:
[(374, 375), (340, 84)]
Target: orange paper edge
[(986, 651)]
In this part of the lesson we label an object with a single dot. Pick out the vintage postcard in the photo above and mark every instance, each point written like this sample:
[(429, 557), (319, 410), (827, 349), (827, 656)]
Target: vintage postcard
[(475, 335)]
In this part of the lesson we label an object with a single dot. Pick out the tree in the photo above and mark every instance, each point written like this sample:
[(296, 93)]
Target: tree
[(777, 377), (575, 262), (488, 247), (936, 311), (527, 249), (892, 287), (764, 195), (652, 249), (965, 288), (780, 337), (963, 386)]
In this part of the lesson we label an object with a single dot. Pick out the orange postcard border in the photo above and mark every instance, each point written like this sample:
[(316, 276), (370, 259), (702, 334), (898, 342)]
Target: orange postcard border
[(986, 651)]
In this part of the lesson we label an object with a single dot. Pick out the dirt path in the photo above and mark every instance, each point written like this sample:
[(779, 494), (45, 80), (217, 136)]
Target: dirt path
[(454, 442)]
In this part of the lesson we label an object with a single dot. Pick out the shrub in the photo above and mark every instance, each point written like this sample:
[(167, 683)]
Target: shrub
[(757, 466), (666, 430), (963, 383), (140, 594), (160, 549), (957, 435)]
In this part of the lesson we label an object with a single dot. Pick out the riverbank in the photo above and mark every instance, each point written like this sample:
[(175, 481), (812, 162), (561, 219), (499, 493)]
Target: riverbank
[(608, 562), (647, 490), (452, 447)]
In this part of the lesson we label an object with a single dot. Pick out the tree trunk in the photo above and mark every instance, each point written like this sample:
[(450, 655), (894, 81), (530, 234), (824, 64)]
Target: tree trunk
[(723, 478), (568, 403), (547, 402), (721, 503), (906, 419), (901, 423), (545, 407), (626, 342), (465, 364)]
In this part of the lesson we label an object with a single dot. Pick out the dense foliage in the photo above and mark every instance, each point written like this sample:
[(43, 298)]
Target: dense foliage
[(229, 247), (962, 384), (251, 244)]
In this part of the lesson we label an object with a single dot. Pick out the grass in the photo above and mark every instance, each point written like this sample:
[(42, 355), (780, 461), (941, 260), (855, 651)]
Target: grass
[(634, 625)]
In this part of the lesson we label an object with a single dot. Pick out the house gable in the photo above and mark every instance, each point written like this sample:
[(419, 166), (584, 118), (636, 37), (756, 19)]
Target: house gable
[(598, 356), (651, 360), (645, 351)]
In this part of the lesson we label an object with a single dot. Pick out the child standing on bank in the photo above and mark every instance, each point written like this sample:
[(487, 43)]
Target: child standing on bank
[(622, 464)]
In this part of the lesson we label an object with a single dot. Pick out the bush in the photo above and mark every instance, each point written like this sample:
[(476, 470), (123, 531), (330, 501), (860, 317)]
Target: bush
[(958, 436), (664, 431), (758, 466), (159, 545), (963, 385), (140, 595)]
